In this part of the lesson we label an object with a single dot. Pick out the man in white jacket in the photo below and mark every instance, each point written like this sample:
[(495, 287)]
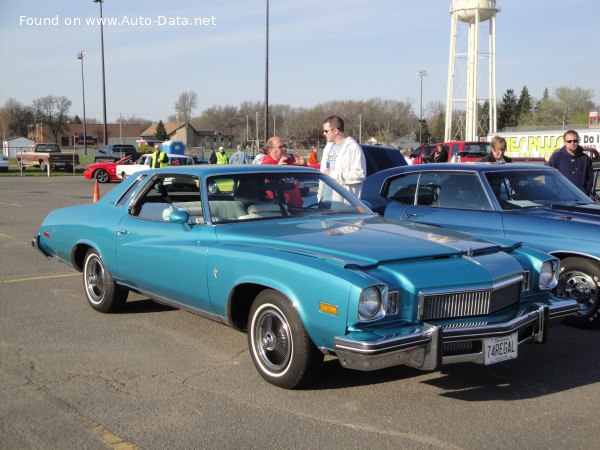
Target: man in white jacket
[(343, 159)]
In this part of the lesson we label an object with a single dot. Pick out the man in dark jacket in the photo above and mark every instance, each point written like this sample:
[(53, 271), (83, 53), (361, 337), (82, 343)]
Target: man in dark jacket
[(497, 155), (573, 163)]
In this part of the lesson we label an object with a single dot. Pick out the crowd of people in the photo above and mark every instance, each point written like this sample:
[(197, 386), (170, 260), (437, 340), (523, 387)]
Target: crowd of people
[(343, 158)]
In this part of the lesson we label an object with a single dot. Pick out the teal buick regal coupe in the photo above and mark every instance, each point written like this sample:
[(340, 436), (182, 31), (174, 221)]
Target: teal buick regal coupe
[(291, 258)]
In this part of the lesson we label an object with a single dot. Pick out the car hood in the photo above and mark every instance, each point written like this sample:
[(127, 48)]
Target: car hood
[(358, 241), (572, 211)]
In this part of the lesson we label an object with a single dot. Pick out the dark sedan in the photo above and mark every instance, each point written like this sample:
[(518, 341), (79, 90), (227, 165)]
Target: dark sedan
[(533, 204)]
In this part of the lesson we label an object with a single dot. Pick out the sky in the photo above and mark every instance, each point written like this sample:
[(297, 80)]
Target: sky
[(318, 51)]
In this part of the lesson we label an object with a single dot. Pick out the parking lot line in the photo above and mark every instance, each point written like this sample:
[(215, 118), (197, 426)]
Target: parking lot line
[(41, 277)]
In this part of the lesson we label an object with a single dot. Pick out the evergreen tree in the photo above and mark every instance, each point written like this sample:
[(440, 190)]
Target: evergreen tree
[(507, 110), (524, 107), (161, 133)]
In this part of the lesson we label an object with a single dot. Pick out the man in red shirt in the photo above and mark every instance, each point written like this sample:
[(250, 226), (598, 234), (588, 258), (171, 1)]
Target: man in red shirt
[(277, 155)]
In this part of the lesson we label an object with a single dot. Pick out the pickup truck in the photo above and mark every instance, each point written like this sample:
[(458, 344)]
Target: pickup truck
[(47, 155), (456, 151)]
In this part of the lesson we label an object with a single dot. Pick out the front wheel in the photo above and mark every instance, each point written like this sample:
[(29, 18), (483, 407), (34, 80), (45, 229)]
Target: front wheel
[(281, 350), (43, 166), (580, 280), (102, 176), (101, 291)]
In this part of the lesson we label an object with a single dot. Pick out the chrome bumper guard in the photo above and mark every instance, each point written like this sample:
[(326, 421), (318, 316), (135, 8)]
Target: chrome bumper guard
[(422, 347), (35, 243)]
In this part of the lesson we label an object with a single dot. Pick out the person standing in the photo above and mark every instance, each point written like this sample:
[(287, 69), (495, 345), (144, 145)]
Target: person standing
[(213, 157), (277, 154), (497, 155), (239, 157), (259, 157), (222, 157), (573, 163), (312, 158), (159, 158), (343, 159)]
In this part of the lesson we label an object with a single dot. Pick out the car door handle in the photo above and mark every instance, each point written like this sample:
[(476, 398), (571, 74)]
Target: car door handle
[(410, 215), (121, 231)]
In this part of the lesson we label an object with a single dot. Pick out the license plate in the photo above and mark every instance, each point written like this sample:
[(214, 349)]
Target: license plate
[(500, 349)]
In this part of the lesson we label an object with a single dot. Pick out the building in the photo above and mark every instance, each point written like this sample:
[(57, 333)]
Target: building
[(95, 131), (186, 133), (12, 146)]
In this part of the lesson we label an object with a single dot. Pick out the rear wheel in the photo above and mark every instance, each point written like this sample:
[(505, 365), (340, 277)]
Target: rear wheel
[(102, 176), (580, 280), (21, 165), (281, 350), (101, 291)]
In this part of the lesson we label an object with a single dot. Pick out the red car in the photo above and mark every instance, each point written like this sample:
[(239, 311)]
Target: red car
[(105, 171)]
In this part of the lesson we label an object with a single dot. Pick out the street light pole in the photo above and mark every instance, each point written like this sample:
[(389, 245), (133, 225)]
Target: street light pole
[(266, 77), (257, 140), (421, 73), (274, 127), (103, 73), (81, 56), (360, 128)]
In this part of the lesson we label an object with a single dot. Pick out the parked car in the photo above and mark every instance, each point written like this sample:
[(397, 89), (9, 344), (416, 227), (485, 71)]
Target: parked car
[(115, 152), (3, 162), (105, 171), (531, 203), (305, 275), (144, 162)]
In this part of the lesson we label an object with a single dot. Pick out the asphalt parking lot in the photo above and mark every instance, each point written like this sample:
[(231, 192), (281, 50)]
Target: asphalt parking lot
[(154, 377)]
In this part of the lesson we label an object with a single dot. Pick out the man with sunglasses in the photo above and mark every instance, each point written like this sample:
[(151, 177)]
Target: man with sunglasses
[(343, 159), (573, 163), (277, 155)]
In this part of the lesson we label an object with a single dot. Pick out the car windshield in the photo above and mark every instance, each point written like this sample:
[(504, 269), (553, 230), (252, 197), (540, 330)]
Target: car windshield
[(263, 196), (533, 188)]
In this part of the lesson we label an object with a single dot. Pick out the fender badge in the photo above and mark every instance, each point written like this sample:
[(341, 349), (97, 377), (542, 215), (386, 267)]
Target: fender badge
[(216, 273)]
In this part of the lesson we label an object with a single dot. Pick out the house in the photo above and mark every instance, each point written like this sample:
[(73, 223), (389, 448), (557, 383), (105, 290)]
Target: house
[(39, 132), (12, 146), (186, 133)]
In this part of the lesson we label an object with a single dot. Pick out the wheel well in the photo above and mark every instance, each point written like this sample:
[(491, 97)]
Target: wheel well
[(78, 256), (240, 302), (563, 255)]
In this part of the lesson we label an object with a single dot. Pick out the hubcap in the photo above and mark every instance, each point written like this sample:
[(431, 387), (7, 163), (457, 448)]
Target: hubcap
[(580, 287), (95, 280), (273, 340)]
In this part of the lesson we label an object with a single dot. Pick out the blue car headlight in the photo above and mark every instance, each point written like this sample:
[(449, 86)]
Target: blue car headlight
[(370, 306), (549, 274)]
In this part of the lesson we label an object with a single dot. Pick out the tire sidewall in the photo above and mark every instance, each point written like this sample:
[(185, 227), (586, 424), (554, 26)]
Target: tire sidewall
[(290, 376)]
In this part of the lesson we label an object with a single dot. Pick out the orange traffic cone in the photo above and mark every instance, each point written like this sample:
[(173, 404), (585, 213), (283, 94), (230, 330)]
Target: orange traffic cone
[(96, 192)]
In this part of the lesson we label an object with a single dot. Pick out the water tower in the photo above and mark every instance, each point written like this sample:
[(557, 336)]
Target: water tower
[(471, 14)]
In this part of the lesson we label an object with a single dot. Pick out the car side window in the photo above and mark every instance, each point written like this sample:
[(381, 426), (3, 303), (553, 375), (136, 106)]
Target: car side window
[(455, 190), (167, 194), (402, 189)]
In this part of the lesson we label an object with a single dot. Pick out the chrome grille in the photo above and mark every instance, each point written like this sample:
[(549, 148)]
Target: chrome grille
[(447, 305)]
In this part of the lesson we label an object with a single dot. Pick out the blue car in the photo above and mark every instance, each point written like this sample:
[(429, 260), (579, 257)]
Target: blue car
[(529, 203), (288, 256)]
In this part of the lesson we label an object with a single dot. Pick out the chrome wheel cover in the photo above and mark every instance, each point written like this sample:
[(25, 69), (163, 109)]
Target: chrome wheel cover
[(272, 340), (581, 287), (94, 279)]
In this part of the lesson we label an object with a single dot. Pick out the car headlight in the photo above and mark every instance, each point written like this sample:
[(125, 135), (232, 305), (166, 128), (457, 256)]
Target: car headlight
[(369, 304), (549, 274)]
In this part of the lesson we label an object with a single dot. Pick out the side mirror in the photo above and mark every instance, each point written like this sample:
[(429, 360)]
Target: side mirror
[(181, 217)]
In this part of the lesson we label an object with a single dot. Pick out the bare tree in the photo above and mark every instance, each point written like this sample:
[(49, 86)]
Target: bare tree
[(52, 111), (185, 104), (14, 118)]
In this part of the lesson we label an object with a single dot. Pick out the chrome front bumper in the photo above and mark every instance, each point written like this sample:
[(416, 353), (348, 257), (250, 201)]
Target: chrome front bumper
[(423, 345)]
